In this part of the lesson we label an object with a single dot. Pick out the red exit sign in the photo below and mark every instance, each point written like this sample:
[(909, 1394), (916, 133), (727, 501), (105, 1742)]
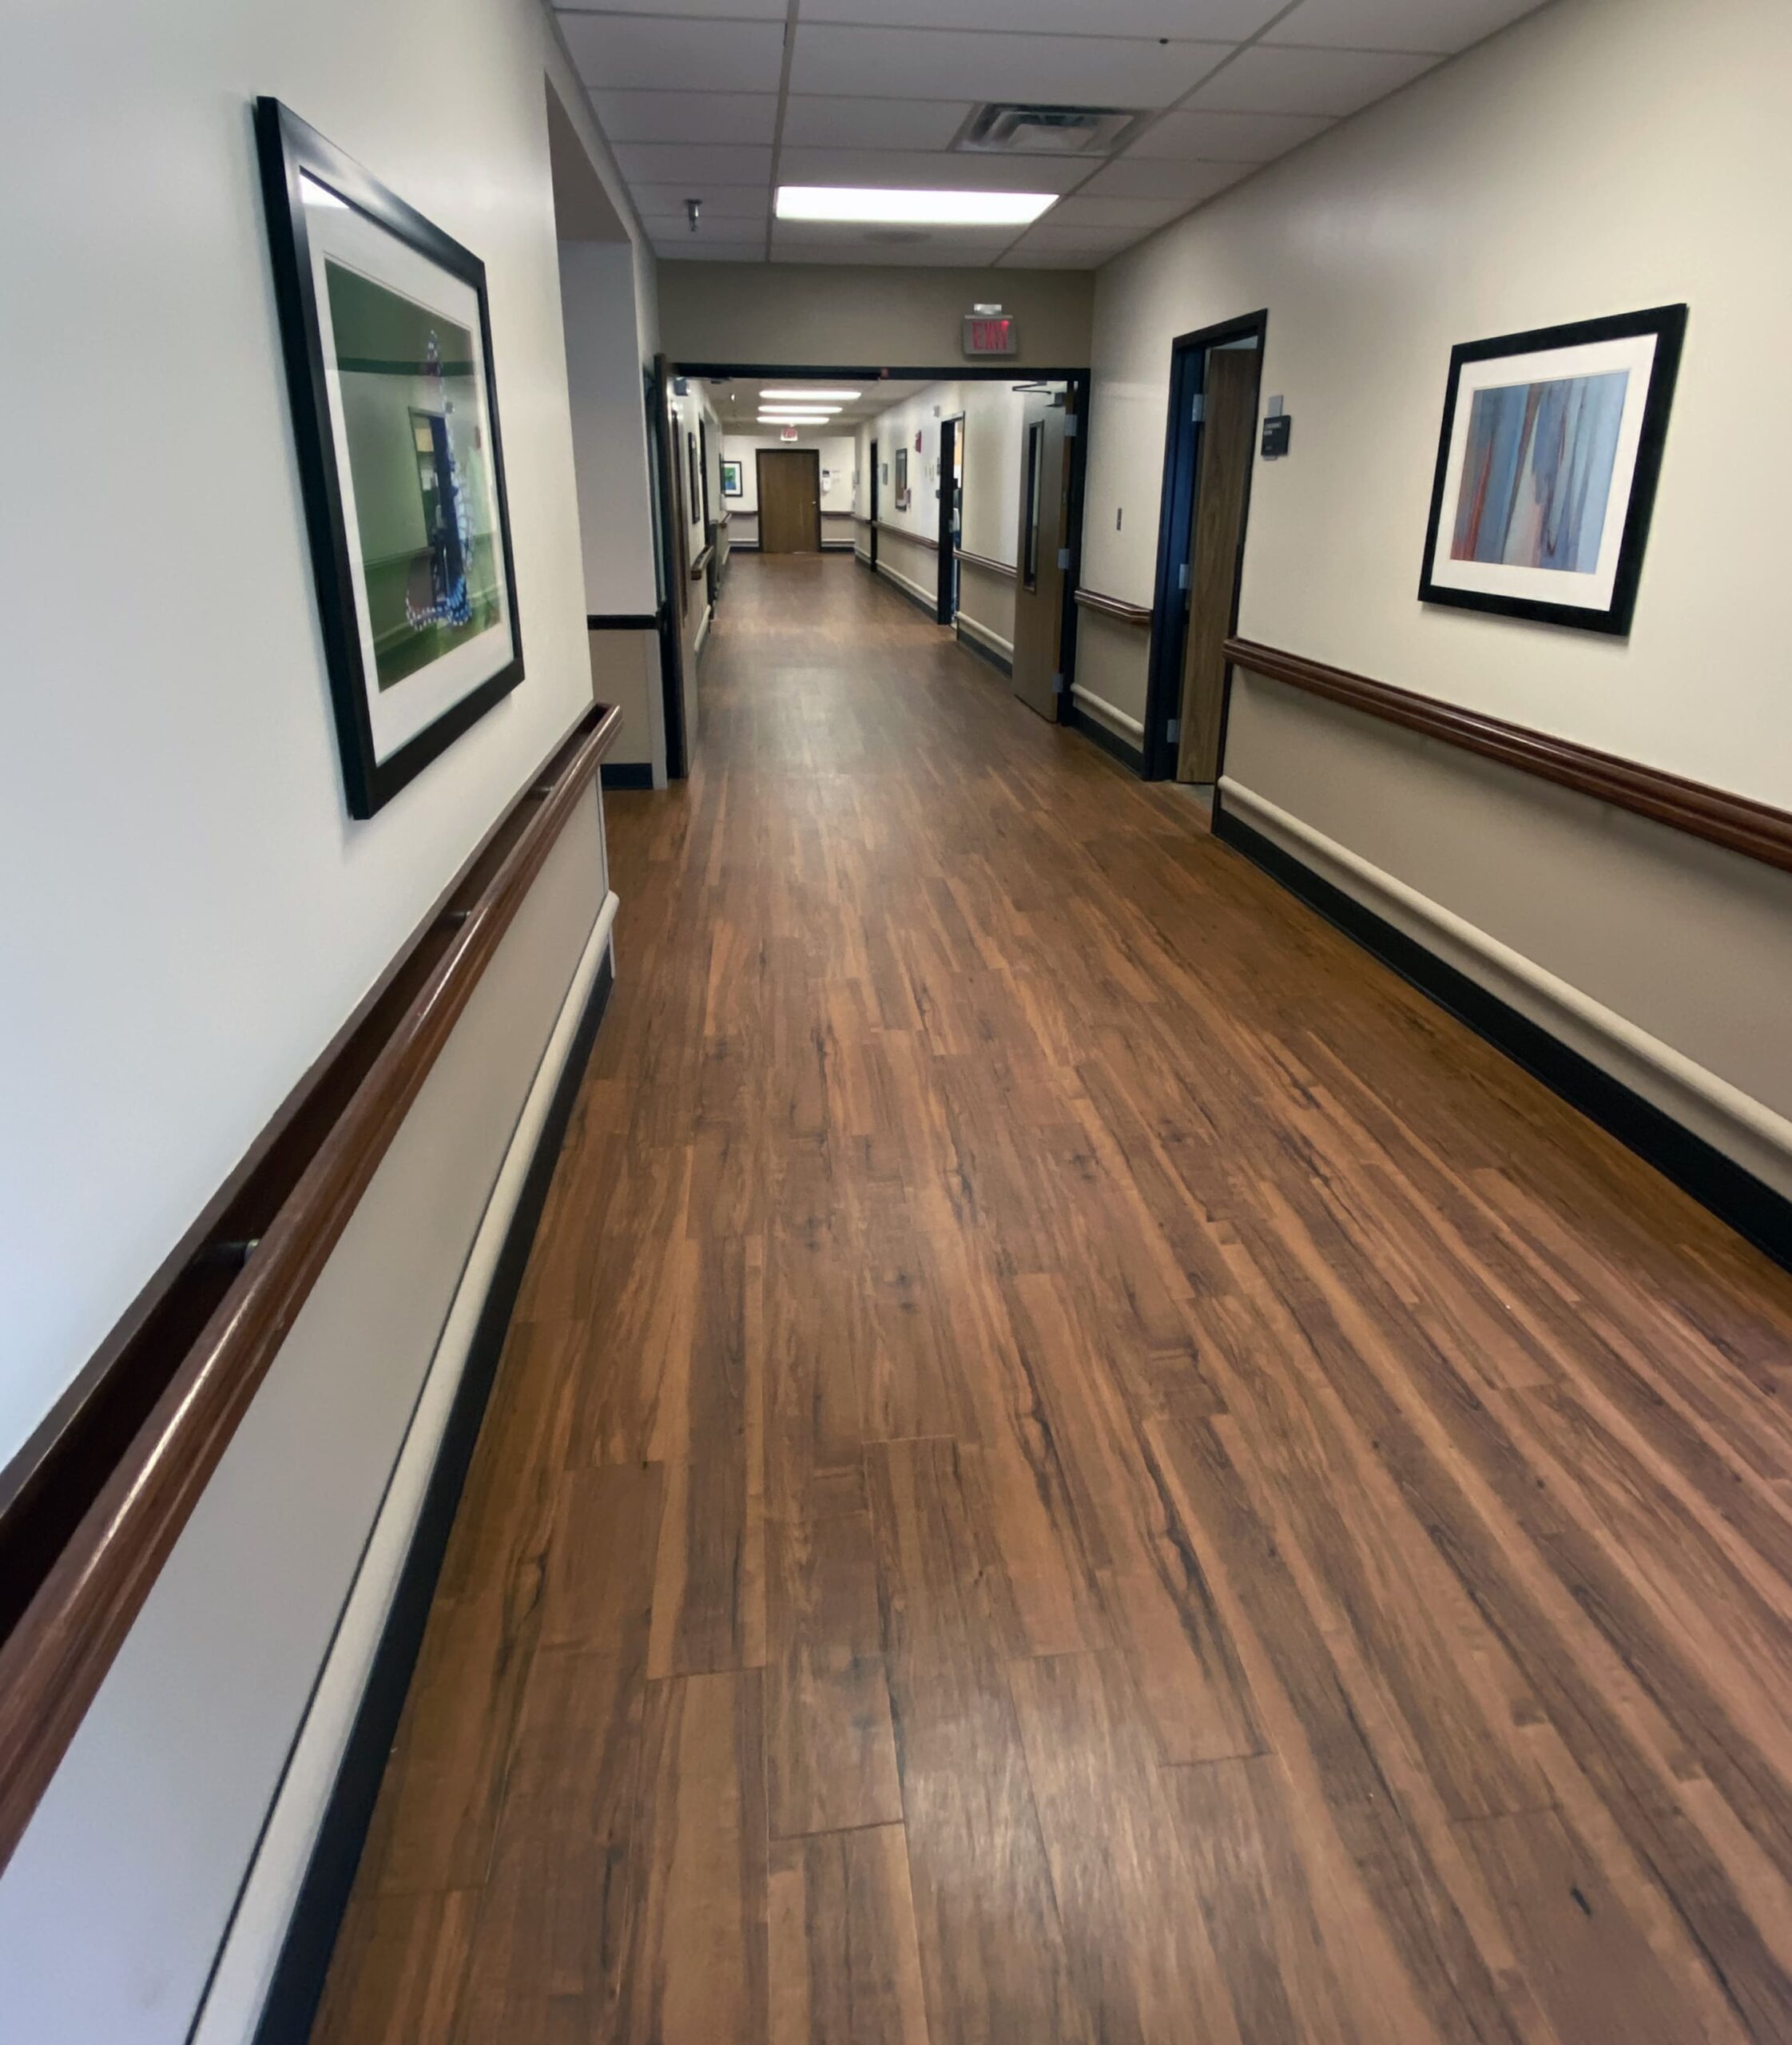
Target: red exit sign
[(987, 335)]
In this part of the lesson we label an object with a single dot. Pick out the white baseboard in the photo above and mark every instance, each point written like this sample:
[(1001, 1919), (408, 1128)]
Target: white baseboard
[(1109, 713), (1733, 1122), (239, 1984)]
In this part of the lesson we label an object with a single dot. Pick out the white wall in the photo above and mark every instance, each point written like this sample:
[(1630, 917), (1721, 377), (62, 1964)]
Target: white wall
[(193, 913), (838, 457), (609, 425), (1602, 156)]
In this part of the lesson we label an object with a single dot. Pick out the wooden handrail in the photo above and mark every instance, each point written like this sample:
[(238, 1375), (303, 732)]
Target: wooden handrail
[(983, 561), (1737, 823), (903, 533), (1138, 614), (700, 563), (314, 1169)]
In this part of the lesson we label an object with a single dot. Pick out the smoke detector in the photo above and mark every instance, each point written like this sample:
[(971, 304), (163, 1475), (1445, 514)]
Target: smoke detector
[(1005, 127)]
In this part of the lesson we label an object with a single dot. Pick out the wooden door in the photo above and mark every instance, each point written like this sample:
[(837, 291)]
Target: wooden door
[(789, 500), (1222, 486), (1038, 605)]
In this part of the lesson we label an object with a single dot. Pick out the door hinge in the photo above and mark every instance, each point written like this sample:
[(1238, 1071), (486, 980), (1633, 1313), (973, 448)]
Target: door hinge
[(1172, 731), (1198, 411), (1063, 557), (1182, 576), (1057, 684), (1071, 422)]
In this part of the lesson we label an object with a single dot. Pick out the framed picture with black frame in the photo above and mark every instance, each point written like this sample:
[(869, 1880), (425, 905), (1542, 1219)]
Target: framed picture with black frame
[(732, 485), (1546, 467), (387, 341), (902, 479)]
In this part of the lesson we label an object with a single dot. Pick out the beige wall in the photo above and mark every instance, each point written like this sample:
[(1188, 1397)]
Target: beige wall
[(1604, 155), (810, 315), (992, 412)]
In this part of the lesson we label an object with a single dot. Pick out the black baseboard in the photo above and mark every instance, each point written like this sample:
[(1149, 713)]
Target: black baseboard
[(864, 560), (627, 774), (621, 621), (972, 644), (1753, 1208), (1131, 757), (926, 605), (311, 1936)]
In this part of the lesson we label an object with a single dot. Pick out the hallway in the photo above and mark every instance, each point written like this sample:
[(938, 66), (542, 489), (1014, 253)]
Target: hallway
[(1077, 1462)]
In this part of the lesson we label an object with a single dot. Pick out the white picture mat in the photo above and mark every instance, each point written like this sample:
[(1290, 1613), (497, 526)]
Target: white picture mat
[(1635, 354), (336, 231)]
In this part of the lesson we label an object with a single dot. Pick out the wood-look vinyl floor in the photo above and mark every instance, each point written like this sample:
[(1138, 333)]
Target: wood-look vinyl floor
[(1077, 1462)]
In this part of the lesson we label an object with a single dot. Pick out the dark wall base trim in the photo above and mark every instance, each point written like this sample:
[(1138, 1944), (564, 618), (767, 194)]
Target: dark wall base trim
[(1131, 757), (627, 774), (622, 620), (924, 604), (311, 1936), (973, 643), (1754, 1209)]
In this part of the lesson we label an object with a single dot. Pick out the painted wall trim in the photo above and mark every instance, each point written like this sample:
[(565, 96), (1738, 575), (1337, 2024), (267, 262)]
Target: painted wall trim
[(1737, 823), (270, 1942), (985, 640), (1745, 1129), (1099, 707)]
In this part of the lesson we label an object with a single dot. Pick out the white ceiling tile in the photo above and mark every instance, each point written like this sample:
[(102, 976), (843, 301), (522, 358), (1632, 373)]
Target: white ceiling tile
[(1280, 80), (927, 170), (1218, 21), (736, 10), (1081, 213), (1444, 26), (1228, 137), (612, 51), (640, 117), (694, 163), (1063, 259), (720, 202), (794, 234), (673, 229), (927, 256), (1141, 177), (872, 123), (903, 63), (1045, 236)]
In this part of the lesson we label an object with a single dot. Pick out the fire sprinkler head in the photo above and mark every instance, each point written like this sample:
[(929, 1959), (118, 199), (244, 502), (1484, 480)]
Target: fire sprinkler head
[(693, 208)]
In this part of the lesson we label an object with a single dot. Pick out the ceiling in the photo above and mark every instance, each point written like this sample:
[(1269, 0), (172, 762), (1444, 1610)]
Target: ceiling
[(721, 99), (737, 402)]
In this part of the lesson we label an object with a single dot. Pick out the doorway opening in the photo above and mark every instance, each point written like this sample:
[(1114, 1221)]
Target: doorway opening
[(1209, 457), (789, 481), (952, 513)]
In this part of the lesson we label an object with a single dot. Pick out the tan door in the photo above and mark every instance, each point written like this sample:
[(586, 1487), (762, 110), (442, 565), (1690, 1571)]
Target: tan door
[(789, 501), (1038, 604), (1228, 442)]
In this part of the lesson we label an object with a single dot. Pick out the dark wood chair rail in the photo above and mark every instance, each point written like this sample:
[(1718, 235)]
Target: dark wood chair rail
[(700, 563), (1137, 614), (72, 1622), (1737, 823), (903, 533), (983, 561)]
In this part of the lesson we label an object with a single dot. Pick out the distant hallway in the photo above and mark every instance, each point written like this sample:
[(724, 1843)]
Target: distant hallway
[(1077, 1462)]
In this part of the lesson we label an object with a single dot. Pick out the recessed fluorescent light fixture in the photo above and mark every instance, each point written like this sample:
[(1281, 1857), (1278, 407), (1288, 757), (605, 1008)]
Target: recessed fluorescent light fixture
[(793, 412), (873, 204), (833, 399)]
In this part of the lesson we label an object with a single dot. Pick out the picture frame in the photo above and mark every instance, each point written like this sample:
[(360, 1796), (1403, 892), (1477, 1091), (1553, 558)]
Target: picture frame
[(695, 468), (902, 479), (732, 485), (1547, 464), (386, 333)]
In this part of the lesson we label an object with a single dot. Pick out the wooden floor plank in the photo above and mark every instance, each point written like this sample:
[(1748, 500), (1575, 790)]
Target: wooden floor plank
[(1077, 1462)]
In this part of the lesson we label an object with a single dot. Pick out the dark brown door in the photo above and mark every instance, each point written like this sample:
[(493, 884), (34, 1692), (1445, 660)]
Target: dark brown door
[(1038, 604), (1222, 485), (789, 500)]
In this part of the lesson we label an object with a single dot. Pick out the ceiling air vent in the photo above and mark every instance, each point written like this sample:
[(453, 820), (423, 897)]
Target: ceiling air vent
[(1004, 128)]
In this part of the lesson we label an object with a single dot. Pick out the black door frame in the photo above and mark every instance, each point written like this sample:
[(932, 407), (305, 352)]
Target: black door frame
[(1181, 456), (759, 454), (874, 506), (670, 615), (1077, 382), (951, 433)]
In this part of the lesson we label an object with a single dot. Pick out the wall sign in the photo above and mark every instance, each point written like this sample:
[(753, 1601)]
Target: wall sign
[(986, 333)]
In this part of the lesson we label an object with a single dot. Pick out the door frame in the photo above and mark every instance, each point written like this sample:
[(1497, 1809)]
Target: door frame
[(779, 454), (1182, 459), (658, 393), (946, 599), (874, 506)]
